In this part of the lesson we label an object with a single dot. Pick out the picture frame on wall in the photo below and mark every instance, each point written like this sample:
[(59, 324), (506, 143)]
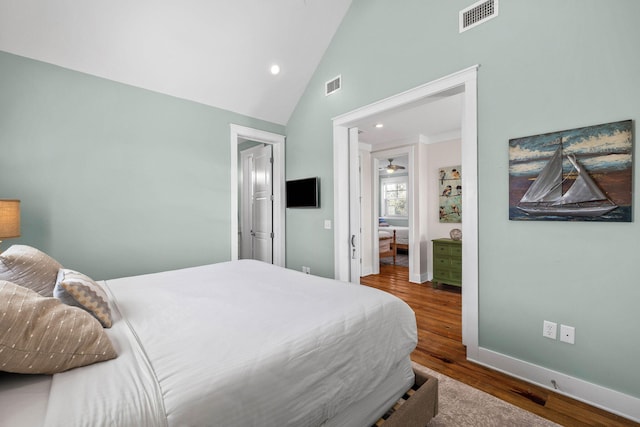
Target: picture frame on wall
[(450, 194), (582, 174)]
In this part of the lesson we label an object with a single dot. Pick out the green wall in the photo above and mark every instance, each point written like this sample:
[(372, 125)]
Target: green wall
[(114, 180), (545, 66)]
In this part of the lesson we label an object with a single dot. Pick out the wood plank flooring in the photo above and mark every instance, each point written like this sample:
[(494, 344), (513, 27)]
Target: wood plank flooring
[(438, 315)]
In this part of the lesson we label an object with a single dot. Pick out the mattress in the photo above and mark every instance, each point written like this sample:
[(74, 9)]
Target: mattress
[(242, 343), (385, 240)]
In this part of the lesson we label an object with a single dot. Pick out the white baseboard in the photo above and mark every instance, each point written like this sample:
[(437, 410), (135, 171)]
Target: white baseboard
[(366, 271), (416, 278), (601, 397)]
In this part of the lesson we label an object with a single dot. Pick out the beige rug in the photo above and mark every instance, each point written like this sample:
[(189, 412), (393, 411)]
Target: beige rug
[(461, 405)]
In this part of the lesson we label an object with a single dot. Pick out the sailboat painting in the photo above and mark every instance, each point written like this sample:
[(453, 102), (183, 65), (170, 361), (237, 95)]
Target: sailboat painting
[(582, 174)]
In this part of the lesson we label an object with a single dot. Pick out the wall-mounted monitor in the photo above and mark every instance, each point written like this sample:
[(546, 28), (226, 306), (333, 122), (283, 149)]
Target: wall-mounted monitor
[(303, 193)]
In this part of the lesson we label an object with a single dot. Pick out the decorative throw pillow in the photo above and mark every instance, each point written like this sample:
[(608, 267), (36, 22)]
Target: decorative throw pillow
[(29, 267), (79, 290), (41, 335)]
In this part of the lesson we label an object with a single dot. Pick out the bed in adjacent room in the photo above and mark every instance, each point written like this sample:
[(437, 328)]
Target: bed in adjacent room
[(402, 236), (239, 343), (387, 244)]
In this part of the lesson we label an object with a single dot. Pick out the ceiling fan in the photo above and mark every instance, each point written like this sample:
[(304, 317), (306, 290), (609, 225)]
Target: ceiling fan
[(391, 168)]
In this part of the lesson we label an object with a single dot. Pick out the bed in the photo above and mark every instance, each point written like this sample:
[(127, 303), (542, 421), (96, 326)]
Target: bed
[(402, 236), (240, 343)]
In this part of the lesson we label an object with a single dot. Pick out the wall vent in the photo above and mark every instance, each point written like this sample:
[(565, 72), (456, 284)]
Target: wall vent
[(477, 14), (333, 85)]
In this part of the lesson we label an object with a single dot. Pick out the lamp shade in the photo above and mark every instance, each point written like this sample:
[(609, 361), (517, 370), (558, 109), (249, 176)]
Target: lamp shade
[(9, 218)]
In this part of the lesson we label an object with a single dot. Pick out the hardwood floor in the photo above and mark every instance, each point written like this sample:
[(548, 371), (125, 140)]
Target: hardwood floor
[(438, 315)]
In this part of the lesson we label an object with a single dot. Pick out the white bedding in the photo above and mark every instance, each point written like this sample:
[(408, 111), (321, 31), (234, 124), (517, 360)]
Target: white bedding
[(402, 233), (242, 343)]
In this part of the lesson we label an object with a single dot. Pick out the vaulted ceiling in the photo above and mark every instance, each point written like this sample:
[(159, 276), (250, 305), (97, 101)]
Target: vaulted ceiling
[(216, 52)]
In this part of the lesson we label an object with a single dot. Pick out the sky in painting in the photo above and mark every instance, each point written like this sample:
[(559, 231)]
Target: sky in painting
[(601, 148)]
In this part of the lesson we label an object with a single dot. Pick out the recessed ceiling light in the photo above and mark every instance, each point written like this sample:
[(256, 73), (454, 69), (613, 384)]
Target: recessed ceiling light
[(379, 125), (275, 69)]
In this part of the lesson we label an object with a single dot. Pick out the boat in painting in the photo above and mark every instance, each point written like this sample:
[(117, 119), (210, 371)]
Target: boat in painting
[(583, 198)]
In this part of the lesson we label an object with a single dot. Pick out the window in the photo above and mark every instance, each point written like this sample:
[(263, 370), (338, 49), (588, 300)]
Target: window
[(394, 196)]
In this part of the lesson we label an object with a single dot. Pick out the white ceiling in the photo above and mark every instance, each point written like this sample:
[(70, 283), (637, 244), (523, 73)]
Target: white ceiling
[(436, 119), (216, 52)]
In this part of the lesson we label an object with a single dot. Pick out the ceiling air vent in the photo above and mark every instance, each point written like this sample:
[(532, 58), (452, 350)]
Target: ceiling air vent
[(478, 13), (332, 86)]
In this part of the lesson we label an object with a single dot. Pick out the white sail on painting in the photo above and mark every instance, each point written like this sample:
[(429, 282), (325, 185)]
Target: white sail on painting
[(560, 187), (584, 197)]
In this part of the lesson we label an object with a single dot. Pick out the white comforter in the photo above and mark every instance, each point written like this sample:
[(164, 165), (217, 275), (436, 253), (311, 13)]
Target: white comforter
[(236, 344), (402, 233)]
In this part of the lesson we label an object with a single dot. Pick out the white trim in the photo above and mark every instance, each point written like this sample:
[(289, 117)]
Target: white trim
[(465, 79), (237, 134), (601, 397), (470, 251), (341, 232)]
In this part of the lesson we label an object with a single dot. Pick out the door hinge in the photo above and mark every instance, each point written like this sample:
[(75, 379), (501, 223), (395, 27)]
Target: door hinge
[(272, 235)]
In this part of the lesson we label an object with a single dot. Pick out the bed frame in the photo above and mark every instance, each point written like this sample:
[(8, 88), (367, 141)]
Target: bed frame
[(393, 247), (417, 406)]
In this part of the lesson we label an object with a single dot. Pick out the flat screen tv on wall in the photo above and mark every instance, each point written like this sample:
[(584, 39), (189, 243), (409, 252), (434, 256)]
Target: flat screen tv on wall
[(303, 193)]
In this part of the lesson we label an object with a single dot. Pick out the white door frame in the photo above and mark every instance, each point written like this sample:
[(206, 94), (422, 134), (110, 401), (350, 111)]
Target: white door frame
[(467, 80), (238, 135), (355, 219)]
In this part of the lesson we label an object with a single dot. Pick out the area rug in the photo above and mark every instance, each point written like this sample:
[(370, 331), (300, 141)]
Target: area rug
[(461, 405), (402, 260)]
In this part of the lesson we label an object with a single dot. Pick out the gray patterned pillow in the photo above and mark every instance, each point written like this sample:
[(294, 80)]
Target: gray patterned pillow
[(79, 290), (29, 267), (41, 335)]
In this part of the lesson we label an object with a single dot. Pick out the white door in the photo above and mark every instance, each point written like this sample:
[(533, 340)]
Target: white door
[(354, 206), (257, 204)]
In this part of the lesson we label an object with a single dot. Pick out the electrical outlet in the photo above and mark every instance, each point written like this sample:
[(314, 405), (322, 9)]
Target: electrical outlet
[(568, 334), (549, 329), (306, 270)]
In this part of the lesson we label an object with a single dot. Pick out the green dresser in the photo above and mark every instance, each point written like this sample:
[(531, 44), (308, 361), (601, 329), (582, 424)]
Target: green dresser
[(447, 262)]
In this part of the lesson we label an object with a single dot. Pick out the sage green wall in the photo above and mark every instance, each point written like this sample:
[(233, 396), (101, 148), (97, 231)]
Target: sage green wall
[(545, 66), (114, 180)]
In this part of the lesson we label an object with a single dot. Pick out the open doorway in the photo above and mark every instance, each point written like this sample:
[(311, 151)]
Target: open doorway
[(238, 136), (256, 202), (465, 83), (392, 208), (391, 213)]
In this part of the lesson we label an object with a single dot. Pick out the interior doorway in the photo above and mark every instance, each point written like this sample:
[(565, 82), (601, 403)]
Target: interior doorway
[(392, 213), (464, 82), (256, 202), (239, 135)]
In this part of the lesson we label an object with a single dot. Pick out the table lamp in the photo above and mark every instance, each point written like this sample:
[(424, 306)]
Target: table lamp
[(9, 219)]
